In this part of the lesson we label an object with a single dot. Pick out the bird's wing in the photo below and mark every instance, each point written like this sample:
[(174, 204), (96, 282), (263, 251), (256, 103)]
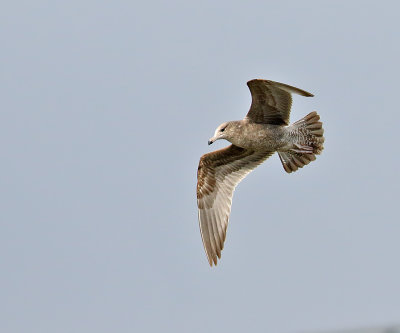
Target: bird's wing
[(271, 101), (218, 174)]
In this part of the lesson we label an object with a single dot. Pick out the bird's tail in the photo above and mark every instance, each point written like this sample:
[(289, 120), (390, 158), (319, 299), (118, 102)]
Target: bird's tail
[(309, 139)]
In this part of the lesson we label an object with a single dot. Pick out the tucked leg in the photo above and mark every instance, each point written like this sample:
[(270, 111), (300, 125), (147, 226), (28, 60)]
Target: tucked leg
[(302, 149)]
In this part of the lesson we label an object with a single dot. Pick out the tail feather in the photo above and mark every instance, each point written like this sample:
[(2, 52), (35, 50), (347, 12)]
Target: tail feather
[(309, 140)]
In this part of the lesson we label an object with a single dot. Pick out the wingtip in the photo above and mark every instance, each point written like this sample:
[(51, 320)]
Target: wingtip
[(284, 86), (212, 261)]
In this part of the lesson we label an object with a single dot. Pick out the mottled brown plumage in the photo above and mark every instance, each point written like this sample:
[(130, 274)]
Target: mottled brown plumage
[(264, 130)]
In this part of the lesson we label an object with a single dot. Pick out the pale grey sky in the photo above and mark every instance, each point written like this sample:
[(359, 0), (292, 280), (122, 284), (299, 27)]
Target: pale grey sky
[(105, 111)]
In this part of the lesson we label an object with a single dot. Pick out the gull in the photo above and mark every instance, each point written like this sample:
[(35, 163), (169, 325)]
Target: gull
[(264, 131)]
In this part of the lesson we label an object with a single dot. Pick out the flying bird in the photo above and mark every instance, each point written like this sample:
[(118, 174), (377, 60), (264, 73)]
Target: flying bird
[(264, 131)]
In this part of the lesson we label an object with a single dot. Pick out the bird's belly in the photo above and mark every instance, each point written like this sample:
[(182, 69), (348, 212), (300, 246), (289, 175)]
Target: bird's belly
[(261, 137)]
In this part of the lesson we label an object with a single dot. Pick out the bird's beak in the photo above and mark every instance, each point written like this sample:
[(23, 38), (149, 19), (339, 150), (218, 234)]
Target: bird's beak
[(211, 141)]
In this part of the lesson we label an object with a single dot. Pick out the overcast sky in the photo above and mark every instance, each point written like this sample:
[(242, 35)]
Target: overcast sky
[(105, 110)]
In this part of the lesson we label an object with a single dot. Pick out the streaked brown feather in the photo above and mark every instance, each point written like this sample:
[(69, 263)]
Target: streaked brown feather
[(217, 176), (271, 101)]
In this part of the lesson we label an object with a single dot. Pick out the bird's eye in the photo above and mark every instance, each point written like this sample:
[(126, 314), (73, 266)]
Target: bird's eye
[(223, 129)]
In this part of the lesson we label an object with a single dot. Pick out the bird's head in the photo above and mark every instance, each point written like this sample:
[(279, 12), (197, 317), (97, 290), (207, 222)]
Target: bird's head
[(222, 132)]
